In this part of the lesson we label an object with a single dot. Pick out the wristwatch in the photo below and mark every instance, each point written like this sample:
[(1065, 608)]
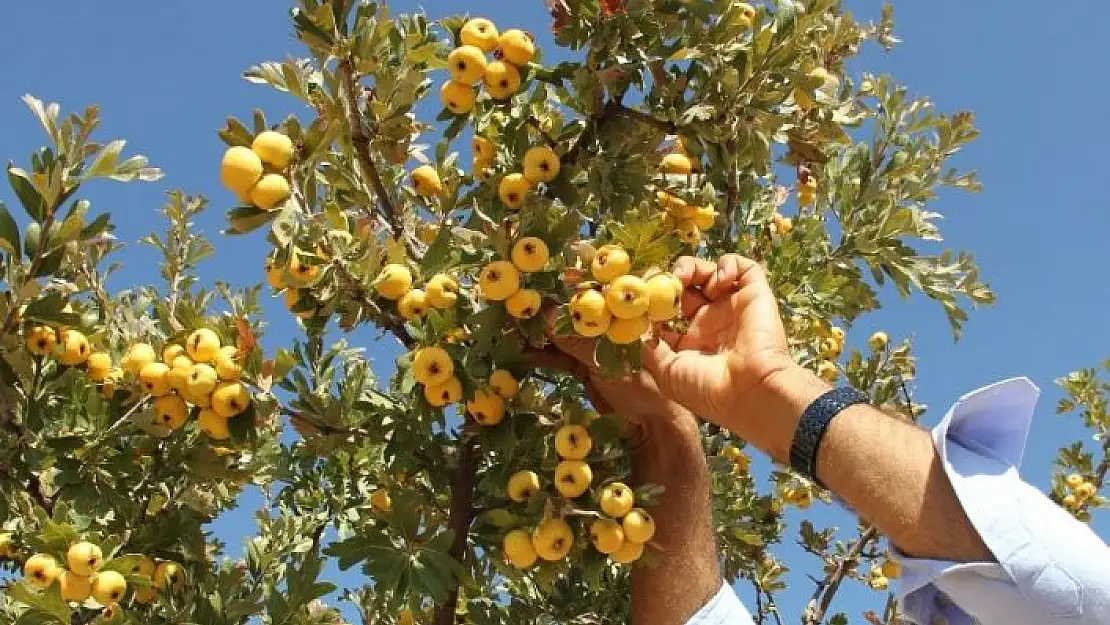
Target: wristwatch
[(813, 425)]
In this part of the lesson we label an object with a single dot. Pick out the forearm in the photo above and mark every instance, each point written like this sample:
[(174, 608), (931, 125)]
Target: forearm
[(885, 469), (685, 573)]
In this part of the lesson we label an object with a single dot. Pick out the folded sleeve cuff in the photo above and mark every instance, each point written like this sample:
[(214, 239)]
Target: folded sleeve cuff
[(724, 609)]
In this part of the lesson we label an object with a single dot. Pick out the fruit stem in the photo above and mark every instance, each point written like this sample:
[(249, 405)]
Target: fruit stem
[(461, 516)]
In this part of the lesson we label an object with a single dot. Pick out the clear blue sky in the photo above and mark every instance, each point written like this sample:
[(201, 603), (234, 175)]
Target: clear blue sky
[(167, 73)]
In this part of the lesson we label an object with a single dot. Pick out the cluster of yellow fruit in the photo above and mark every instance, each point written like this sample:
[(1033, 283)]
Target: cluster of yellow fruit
[(83, 578), (254, 174), (781, 224), (625, 307), (395, 283), (1082, 491), (541, 164), (687, 222), (799, 496), (880, 575), (70, 348), (831, 346), (500, 280), (467, 63), (292, 278), (740, 460)]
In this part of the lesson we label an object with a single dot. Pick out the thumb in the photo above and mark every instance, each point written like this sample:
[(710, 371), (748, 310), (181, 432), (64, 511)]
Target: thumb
[(658, 358)]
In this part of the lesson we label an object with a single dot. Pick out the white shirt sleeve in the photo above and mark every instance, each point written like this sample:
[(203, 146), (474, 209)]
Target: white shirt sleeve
[(1051, 569), (723, 609)]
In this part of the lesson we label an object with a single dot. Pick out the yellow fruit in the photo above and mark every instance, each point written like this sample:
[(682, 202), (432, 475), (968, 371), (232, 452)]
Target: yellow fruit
[(394, 281), (1071, 501), (413, 305), (827, 371), (626, 331), (589, 303), (610, 263), (74, 587), (628, 553), (638, 525), (427, 233), (524, 304), (498, 280), (381, 500), (664, 293), (572, 478), (406, 617), (688, 232), (301, 272), (75, 348), (513, 189), (108, 587), (591, 327), (480, 33), (1085, 491), (271, 190), (607, 536), (617, 499), (230, 399), (240, 170), (98, 366), (782, 225), (203, 345), (1074, 481), (878, 341), (891, 569), (426, 182), (442, 291), (41, 570), (457, 97), (171, 351), (467, 64), (483, 148), (170, 411), (677, 163), (573, 442), (275, 275), (516, 47), (732, 452), (213, 425), (837, 334), (169, 574), (432, 366), (553, 540), (138, 356), (530, 254), (440, 395), (84, 558), (486, 408), (153, 379), (504, 384), (227, 363), (480, 169), (202, 380), (7, 551), (541, 164), (627, 297), (502, 80), (274, 148), (42, 340), (522, 485), (518, 549), (704, 217), (292, 298), (879, 582)]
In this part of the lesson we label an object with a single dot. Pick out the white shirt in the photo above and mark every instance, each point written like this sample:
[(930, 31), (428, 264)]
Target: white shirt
[(1051, 569)]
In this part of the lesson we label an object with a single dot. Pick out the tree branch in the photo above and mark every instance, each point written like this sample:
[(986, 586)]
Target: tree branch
[(461, 516), (822, 597)]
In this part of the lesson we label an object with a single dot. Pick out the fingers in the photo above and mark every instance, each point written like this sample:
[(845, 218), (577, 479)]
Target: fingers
[(658, 356), (693, 272), (729, 274)]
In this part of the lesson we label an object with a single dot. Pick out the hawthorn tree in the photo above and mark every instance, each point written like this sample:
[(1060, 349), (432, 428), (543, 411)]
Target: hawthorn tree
[(467, 484)]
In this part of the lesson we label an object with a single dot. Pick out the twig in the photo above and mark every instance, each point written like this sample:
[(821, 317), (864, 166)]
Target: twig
[(461, 516), (822, 597), (662, 125)]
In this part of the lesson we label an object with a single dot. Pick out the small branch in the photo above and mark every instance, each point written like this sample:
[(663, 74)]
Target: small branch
[(732, 190), (461, 516), (826, 591), (661, 125)]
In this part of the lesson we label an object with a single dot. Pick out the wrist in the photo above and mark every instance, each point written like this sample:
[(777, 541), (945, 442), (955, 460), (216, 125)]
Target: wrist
[(773, 409)]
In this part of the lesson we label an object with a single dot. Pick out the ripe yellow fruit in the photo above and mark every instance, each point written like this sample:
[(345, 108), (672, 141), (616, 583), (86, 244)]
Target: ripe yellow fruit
[(589, 304), (153, 379), (498, 280), (442, 291), (84, 558), (627, 297), (432, 366), (1071, 501), (458, 97), (275, 275), (516, 47), (413, 305), (75, 348), (1074, 481), (480, 33), (42, 340), (891, 569), (572, 478), (638, 525), (610, 263), (573, 442), (522, 485), (138, 356), (664, 293), (74, 587), (41, 570), (99, 366), (782, 225), (677, 163), (301, 272), (530, 254), (827, 371), (486, 408), (440, 395), (394, 281), (169, 574), (467, 64), (704, 217), (878, 341), (108, 587), (502, 80), (504, 384), (227, 363), (688, 232), (591, 327), (483, 148), (745, 15), (617, 499), (541, 164), (240, 169), (524, 304), (426, 182), (271, 190), (627, 331), (1085, 491), (519, 550), (202, 380), (381, 500), (213, 425), (878, 582), (513, 189), (553, 540), (170, 411), (292, 298), (274, 148), (628, 553), (171, 351), (230, 399), (203, 345), (607, 536), (732, 452)]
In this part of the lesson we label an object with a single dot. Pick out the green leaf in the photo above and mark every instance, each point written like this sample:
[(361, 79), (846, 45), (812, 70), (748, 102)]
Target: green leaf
[(247, 219), (9, 233), (29, 198), (105, 162), (49, 603)]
